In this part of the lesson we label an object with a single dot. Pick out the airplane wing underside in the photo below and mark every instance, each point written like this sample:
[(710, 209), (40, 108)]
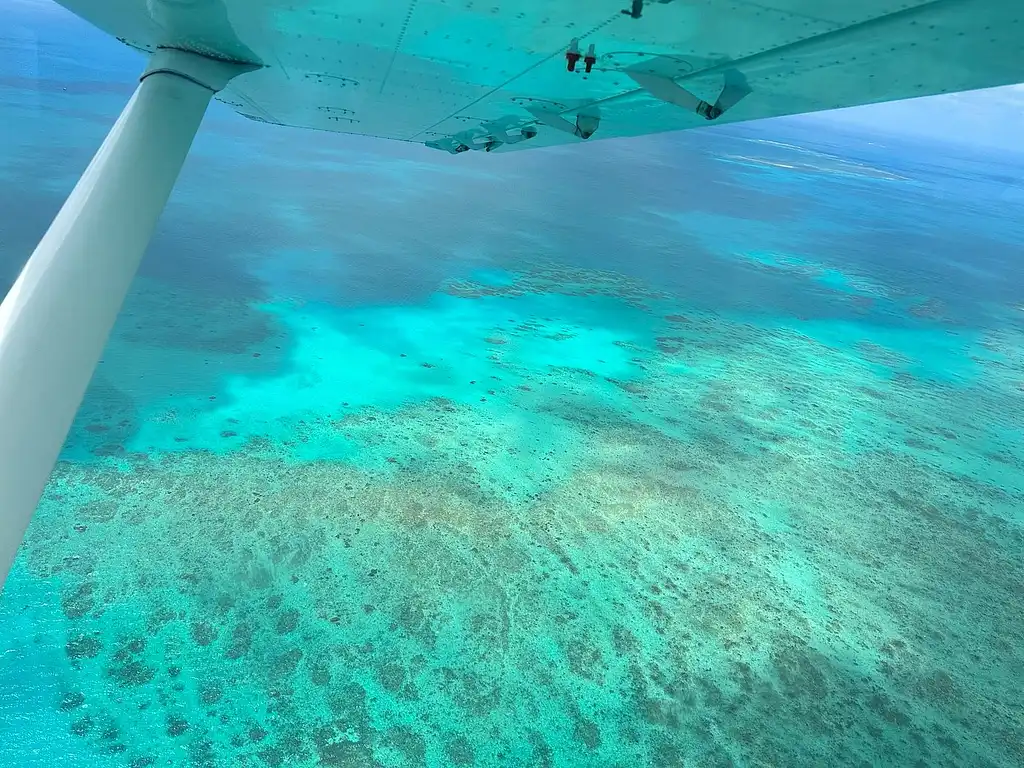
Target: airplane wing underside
[(495, 74)]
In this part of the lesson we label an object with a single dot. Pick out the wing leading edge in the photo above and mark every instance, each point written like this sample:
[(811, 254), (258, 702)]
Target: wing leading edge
[(458, 75)]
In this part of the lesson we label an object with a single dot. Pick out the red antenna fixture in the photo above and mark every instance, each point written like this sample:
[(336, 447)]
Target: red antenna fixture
[(572, 56), (590, 59)]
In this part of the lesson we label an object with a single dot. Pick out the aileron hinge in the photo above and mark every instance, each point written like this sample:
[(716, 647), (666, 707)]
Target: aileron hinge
[(587, 121), (668, 90)]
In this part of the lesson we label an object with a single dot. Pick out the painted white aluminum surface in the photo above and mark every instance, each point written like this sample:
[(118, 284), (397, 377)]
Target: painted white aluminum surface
[(424, 70)]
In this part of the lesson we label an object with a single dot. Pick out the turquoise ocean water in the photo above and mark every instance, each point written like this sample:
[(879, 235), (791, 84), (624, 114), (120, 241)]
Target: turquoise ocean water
[(702, 449)]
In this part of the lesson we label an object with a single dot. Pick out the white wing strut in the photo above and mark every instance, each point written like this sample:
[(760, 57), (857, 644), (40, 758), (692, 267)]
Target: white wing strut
[(56, 318)]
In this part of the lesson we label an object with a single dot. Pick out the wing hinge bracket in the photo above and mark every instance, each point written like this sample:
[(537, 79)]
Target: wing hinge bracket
[(488, 136), (586, 124), (668, 90)]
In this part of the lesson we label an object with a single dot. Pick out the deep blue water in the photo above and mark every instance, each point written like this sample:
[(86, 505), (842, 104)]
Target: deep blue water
[(402, 459)]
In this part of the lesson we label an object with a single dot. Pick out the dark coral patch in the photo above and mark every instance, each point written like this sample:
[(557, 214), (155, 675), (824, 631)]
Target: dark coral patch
[(83, 647), (176, 726), (799, 674), (203, 633), (79, 602), (286, 664), (391, 677), (131, 674), (82, 726), (211, 693), (241, 641), (408, 742), (460, 752), (287, 622), (71, 700), (588, 734), (320, 674)]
